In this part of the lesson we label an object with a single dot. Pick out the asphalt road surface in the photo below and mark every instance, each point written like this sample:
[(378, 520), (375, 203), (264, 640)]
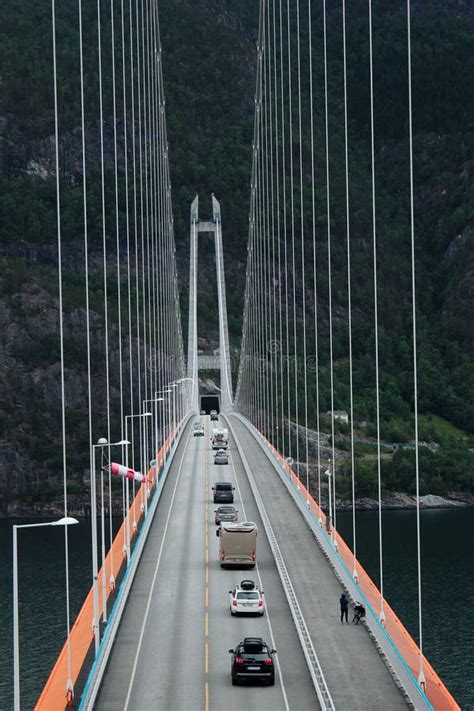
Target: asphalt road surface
[(171, 651)]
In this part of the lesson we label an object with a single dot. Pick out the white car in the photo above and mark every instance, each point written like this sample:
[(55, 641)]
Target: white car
[(198, 431), (246, 598)]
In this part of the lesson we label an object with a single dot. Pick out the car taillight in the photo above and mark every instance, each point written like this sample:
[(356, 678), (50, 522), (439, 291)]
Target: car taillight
[(260, 603), (268, 661), (254, 555), (234, 603), (234, 517), (238, 660)]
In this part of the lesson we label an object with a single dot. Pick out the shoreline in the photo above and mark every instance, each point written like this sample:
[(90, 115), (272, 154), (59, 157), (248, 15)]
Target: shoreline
[(397, 501)]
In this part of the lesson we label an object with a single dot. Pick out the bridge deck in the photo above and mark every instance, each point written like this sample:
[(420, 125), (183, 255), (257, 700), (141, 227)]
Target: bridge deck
[(355, 673), (159, 657)]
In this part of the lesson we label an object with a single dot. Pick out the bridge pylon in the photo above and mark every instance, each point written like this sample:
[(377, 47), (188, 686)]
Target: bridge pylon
[(214, 226), (192, 383)]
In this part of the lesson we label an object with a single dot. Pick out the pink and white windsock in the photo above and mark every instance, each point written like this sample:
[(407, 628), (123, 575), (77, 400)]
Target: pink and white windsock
[(120, 470)]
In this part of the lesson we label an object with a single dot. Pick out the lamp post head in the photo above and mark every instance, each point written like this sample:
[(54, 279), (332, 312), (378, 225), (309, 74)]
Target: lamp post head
[(102, 441), (122, 442), (65, 521), (147, 414)]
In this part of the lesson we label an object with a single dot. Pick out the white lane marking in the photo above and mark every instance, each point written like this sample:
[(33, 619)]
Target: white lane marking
[(267, 613), (155, 574)]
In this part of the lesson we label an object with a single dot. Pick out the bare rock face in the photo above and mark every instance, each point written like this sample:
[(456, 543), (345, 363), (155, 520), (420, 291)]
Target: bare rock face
[(31, 466)]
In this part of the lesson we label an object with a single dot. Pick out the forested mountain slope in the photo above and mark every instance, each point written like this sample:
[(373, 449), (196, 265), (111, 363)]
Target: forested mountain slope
[(209, 71)]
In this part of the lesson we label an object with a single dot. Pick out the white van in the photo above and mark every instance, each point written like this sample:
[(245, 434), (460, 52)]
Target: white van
[(237, 544)]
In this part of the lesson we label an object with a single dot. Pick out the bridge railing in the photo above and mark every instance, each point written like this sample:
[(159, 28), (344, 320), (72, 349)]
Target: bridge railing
[(55, 695), (392, 635)]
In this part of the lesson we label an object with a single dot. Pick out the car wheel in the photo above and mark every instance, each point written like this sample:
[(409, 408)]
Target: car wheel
[(234, 681), (271, 682)]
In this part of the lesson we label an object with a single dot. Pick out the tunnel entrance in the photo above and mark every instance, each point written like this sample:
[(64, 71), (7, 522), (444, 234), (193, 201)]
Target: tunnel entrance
[(209, 402)]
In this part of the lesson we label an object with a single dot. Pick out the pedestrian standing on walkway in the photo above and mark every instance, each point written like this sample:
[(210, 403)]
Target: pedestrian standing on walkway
[(344, 607)]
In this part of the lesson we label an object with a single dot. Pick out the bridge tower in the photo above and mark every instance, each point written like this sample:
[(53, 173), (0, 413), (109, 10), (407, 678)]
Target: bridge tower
[(192, 383), (214, 226)]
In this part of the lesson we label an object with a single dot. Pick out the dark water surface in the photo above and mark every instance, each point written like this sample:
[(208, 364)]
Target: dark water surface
[(447, 571), (447, 583), (42, 603)]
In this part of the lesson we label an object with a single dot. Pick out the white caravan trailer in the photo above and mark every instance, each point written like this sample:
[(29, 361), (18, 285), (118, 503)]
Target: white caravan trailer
[(220, 439), (237, 544)]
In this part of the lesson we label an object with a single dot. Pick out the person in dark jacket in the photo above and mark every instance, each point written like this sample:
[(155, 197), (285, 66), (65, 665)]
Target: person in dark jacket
[(344, 607)]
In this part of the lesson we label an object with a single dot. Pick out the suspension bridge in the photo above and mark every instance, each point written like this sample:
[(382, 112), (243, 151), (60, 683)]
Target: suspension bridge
[(155, 628)]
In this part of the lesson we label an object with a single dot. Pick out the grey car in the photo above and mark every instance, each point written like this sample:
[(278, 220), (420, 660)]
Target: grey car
[(221, 457), (225, 513)]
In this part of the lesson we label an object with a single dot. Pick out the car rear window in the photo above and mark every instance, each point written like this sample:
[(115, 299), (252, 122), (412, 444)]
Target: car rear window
[(247, 596), (224, 487), (257, 657), (226, 509)]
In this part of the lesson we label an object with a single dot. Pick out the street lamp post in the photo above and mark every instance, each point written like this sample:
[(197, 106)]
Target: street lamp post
[(166, 391), (182, 380), (329, 527), (101, 444), (175, 385), (127, 487), (155, 400), (66, 521)]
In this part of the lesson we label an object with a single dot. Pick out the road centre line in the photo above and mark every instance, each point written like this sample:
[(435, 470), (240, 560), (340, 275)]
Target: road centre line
[(155, 575)]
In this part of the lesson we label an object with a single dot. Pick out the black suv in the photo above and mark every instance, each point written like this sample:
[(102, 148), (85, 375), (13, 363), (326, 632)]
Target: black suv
[(252, 659), (223, 492)]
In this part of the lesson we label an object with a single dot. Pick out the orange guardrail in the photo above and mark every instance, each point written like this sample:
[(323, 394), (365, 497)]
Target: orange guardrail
[(55, 695), (436, 692)]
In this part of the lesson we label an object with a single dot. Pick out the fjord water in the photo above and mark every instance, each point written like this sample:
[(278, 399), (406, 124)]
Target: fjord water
[(41, 600), (447, 583), (447, 579)]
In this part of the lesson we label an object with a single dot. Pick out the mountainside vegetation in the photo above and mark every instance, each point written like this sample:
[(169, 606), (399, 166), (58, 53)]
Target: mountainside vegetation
[(209, 61)]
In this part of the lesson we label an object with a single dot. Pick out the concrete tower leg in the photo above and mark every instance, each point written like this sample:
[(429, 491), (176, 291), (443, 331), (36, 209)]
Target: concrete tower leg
[(226, 373), (192, 371)]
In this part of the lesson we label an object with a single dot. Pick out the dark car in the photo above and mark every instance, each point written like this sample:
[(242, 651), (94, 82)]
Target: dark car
[(223, 492), (214, 415), (252, 659), (203, 412), (225, 513)]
